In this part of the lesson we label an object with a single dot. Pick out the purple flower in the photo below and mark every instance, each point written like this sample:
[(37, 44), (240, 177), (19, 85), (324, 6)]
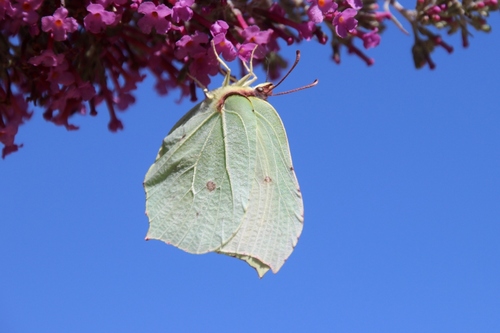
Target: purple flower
[(255, 39), (28, 8), (219, 28), (371, 39), (115, 124), (182, 11), (253, 34), (47, 59), (14, 111), (222, 44), (123, 100), (59, 24), (245, 51), (60, 75), (306, 29), (131, 79), (119, 2), (320, 8), (135, 4), (5, 8), (163, 86), (106, 3), (84, 90), (204, 66), (345, 22), (191, 45), (227, 49), (154, 16), (356, 4), (65, 106), (98, 18)]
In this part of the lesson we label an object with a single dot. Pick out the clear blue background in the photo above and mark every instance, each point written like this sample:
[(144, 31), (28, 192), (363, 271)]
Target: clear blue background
[(400, 172)]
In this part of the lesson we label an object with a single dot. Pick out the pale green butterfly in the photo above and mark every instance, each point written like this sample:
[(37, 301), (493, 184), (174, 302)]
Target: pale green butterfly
[(223, 179)]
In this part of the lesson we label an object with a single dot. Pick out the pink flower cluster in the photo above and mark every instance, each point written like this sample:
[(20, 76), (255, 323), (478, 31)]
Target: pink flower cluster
[(68, 57)]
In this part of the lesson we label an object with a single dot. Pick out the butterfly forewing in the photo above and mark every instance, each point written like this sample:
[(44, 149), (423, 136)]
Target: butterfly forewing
[(197, 191)]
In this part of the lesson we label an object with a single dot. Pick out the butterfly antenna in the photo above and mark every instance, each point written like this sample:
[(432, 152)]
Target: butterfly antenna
[(297, 58), (310, 85)]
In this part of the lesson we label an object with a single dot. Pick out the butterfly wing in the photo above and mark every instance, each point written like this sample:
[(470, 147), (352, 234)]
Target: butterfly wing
[(274, 220), (197, 190)]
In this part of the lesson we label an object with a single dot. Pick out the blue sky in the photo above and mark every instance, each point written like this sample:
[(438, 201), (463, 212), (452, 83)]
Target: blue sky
[(400, 173)]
